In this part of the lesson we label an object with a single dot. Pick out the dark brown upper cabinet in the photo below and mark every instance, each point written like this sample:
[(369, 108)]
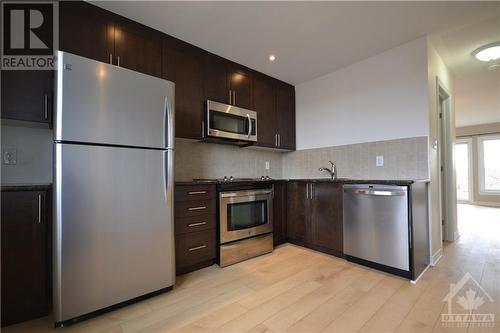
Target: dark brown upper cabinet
[(28, 95), (25, 256), (137, 48), (314, 215), (264, 102), (86, 30), (227, 82), (183, 65), (216, 87), (240, 83), (95, 33), (285, 110)]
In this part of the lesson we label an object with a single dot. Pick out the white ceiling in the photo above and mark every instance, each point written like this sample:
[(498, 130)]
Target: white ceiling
[(310, 39), (476, 89)]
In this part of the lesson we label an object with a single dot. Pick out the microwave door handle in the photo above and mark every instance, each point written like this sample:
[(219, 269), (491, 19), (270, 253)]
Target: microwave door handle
[(249, 125)]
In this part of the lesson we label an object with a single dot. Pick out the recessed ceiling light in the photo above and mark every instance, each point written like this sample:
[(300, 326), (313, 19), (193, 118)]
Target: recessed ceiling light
[(488, 52), (272, 57)]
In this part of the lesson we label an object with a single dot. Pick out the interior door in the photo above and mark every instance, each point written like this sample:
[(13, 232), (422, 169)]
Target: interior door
[(298, 217), (114, 225)]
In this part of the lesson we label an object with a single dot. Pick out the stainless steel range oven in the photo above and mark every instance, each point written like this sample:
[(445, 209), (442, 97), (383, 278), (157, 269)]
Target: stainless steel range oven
[(246, 223)]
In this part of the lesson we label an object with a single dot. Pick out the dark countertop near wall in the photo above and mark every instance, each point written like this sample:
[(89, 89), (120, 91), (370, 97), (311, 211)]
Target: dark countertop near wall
[(26, 187), (401, 182)]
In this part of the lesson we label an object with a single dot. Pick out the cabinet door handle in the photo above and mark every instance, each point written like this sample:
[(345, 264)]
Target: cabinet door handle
[(230, 97), (118, 61), (312, 192), (197, 192), (202, 129), (111, 58), (39, 208), (279, 140), (46, 106), (196, 224), (197, 248), (307, 191), (234, 97), (197, 208)]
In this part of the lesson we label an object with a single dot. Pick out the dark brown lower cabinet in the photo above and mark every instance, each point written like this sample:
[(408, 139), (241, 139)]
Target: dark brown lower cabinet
[(279, 213), (314, 215), (298, 224), (25, 255), (195, 227)]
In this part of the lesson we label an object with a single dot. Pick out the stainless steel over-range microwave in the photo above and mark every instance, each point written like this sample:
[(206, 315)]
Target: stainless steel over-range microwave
[(230, 122)]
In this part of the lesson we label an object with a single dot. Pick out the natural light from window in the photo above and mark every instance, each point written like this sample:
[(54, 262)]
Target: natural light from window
[(462, 169), (490, 153)]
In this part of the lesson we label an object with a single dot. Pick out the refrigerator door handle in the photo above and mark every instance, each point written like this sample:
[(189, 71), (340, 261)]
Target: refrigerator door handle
[(169, 124)]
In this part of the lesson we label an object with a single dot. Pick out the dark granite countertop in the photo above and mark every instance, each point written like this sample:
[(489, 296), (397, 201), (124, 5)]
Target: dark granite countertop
[(403, 182), (27, 187)]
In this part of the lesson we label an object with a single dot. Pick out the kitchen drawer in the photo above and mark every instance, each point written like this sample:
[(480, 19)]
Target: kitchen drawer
[(194, 192), (194, 223), (194, 208), (194, 248)]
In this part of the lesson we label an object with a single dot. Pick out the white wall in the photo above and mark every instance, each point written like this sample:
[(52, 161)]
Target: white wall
[(34, 155), (380, 98), (438, 69)]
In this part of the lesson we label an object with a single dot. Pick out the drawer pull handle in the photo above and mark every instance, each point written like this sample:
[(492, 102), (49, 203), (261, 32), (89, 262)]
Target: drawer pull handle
[(197, 192), (196, 224), (197, 208), (197, 248)]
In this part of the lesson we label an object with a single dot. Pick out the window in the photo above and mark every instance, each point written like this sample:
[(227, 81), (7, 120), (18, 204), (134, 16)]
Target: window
[(463, 170), (489, 164)]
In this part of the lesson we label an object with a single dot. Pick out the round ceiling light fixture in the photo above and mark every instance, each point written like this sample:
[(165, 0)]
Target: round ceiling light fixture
[(272, 57), (489, 52)]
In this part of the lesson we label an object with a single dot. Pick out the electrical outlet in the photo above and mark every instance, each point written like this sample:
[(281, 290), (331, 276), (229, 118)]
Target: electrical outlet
[(268, 165), (9, 156), (379, 161)]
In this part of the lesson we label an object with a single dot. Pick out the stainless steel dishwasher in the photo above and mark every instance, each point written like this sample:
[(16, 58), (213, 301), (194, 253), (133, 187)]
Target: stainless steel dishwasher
[(376, 227)]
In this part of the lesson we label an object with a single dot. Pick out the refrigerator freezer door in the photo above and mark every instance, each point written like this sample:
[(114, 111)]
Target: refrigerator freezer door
[(113, 226), (105, 104)]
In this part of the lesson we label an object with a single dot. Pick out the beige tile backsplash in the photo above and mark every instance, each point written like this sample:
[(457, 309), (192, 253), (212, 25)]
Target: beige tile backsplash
[(208, 160), (403, 159)]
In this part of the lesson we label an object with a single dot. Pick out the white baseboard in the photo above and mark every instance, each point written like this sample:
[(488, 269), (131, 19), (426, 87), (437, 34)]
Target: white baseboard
[(434, 259)]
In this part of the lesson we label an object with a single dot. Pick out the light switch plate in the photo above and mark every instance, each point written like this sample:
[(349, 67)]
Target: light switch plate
[(379, 161), (268, 165), (9, 156)]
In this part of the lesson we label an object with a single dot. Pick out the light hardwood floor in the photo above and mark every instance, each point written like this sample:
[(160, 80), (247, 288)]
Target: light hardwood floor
[(299, 290)]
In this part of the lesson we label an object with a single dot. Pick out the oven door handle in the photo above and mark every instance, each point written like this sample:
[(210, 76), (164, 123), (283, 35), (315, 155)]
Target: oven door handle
[(249, 126), (245, 193)]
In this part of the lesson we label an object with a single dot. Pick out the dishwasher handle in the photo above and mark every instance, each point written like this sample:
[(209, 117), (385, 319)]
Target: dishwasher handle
[(380, 193)]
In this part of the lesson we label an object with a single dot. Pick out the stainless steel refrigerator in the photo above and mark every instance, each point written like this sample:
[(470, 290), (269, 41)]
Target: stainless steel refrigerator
[(113, 186)]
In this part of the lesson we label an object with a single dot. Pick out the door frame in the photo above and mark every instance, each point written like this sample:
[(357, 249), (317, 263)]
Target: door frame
[(446, 164), (468, 142)]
